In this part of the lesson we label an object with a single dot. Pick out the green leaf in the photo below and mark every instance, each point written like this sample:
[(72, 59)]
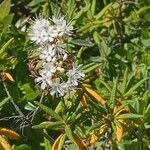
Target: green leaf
[(3, 102), (147, 113), (61, 143), (132, 89), (96, 38), (146, 42), (30, 93), (29, 106), (129, 116), (102, 12), (47, 143), (91, 68), (2, 50), (81, 42), (22, 147), (113, 93), (49, 124), (49, 111), (69, 133), (82, 11), (123, 86), (93, 7), (4, 9)]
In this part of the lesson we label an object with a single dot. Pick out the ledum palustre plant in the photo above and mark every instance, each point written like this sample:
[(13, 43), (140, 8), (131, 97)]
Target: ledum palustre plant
[(74, 74)]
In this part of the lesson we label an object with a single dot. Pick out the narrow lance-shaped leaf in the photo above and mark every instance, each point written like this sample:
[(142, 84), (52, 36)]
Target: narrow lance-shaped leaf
[(93, 7), (9, 76), (4, 144), (61, 142), (9, 133), (3, 102), (69, 133), (124, 83), (4, 9), (102, 12), (129, 116), (119, 133), (49, 111), (81, 42), (113, 93), (132, 89), (5, 46), (47, 143), (48, 124), (94, 94), (79, 142), (56, 142)]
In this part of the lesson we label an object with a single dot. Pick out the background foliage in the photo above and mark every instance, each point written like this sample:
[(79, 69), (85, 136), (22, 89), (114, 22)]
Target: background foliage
[(111, 109)]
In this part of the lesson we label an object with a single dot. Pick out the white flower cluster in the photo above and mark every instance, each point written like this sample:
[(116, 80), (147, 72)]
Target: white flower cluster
[(49, 35)]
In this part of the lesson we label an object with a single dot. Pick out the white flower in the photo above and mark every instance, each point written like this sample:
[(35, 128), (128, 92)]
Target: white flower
[(61, 25), (49, 67), (47, 53), (60, 49), (58, 88), (74, 75), (44, 79), (40, 31)]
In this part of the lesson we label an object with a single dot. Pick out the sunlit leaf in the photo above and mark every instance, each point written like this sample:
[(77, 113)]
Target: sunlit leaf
[(56, 142), (9, 76), (61, 142), (79, 142), (94, 94), (4, 9), (5, 145), (102, 128), (9, 133), (93, 138), (83, 101), (119, 133)]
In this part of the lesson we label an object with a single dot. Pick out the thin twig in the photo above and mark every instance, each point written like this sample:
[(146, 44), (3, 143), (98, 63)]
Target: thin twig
[(36, 110), (11, 100)]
